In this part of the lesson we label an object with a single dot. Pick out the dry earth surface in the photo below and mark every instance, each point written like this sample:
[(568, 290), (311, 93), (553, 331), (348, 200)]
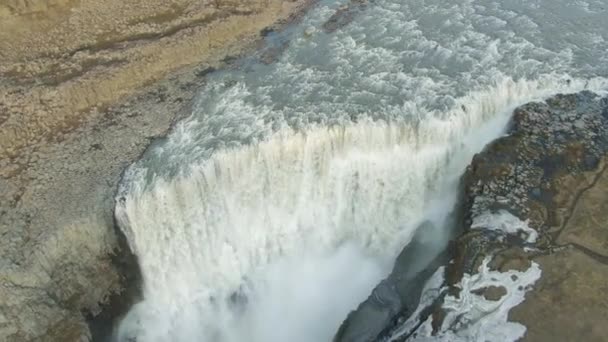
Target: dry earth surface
[(569, 302), (84, 86)]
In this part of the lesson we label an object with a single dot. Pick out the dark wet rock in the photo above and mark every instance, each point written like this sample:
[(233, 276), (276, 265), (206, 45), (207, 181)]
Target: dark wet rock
[(493, 293), (397, 297), (536, 171), (205, 71), (344, 15), (103, 324), (266, 31), (372, 316), (272, 53)]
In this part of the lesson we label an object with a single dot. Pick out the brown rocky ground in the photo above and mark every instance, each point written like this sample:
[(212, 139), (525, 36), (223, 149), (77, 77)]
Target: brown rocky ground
[(574, 284), (84, 86)]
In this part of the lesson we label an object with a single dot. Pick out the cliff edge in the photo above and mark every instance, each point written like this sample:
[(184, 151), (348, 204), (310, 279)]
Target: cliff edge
[(548, 174), (529, 260)]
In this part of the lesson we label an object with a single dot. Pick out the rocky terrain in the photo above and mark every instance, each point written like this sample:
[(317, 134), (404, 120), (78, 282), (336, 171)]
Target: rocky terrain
[(84, 86), (549, 172)]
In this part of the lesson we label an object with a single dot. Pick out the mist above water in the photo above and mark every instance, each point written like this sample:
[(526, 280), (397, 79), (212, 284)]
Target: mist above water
[(299, 229), (275, 208)]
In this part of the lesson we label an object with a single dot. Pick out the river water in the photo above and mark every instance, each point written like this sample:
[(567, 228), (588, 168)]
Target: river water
[(277, 206)]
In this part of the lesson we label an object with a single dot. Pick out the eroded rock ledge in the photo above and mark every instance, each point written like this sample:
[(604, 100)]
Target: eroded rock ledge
[(543, 172), (548, 171)]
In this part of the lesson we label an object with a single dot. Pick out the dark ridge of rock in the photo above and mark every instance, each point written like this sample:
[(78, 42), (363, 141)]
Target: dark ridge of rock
[(554, 151), (344, 15), (397, 297), (102, 325), (536, 172)]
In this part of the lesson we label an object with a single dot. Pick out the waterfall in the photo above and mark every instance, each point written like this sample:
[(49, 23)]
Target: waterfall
[(277, 206)]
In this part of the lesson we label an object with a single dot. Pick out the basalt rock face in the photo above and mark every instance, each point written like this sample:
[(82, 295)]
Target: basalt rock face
[(548, 171), (397, 297), (554, 151), (552, 159), (344, 15), (84, 87)]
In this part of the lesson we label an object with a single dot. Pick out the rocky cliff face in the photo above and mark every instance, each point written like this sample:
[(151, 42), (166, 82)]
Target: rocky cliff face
[(84, 86), (554, 153), (549, 171)]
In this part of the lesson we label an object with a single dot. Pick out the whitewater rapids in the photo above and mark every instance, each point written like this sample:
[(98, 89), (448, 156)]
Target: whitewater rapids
[(276, 208)]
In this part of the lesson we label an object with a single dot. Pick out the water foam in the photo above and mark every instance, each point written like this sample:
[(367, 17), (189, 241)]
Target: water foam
[(248, 208)]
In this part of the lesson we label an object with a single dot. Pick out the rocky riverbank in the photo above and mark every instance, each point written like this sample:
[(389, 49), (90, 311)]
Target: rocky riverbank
[(550, 173), (535, 198), (84, 87)]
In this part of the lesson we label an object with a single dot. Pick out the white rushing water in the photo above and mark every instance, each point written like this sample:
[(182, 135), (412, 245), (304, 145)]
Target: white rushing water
[(275, 208)]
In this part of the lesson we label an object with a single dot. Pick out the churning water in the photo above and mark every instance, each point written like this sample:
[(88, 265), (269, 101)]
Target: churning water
[(277, 206)]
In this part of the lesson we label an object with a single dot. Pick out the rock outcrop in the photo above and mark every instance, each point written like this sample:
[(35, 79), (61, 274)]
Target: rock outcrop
[(84, 87), (397, 296), (344, 15), (548, 173)]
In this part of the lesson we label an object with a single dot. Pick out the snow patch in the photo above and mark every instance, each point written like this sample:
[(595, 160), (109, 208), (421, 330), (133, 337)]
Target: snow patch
[(471, 317), (504, 221)]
